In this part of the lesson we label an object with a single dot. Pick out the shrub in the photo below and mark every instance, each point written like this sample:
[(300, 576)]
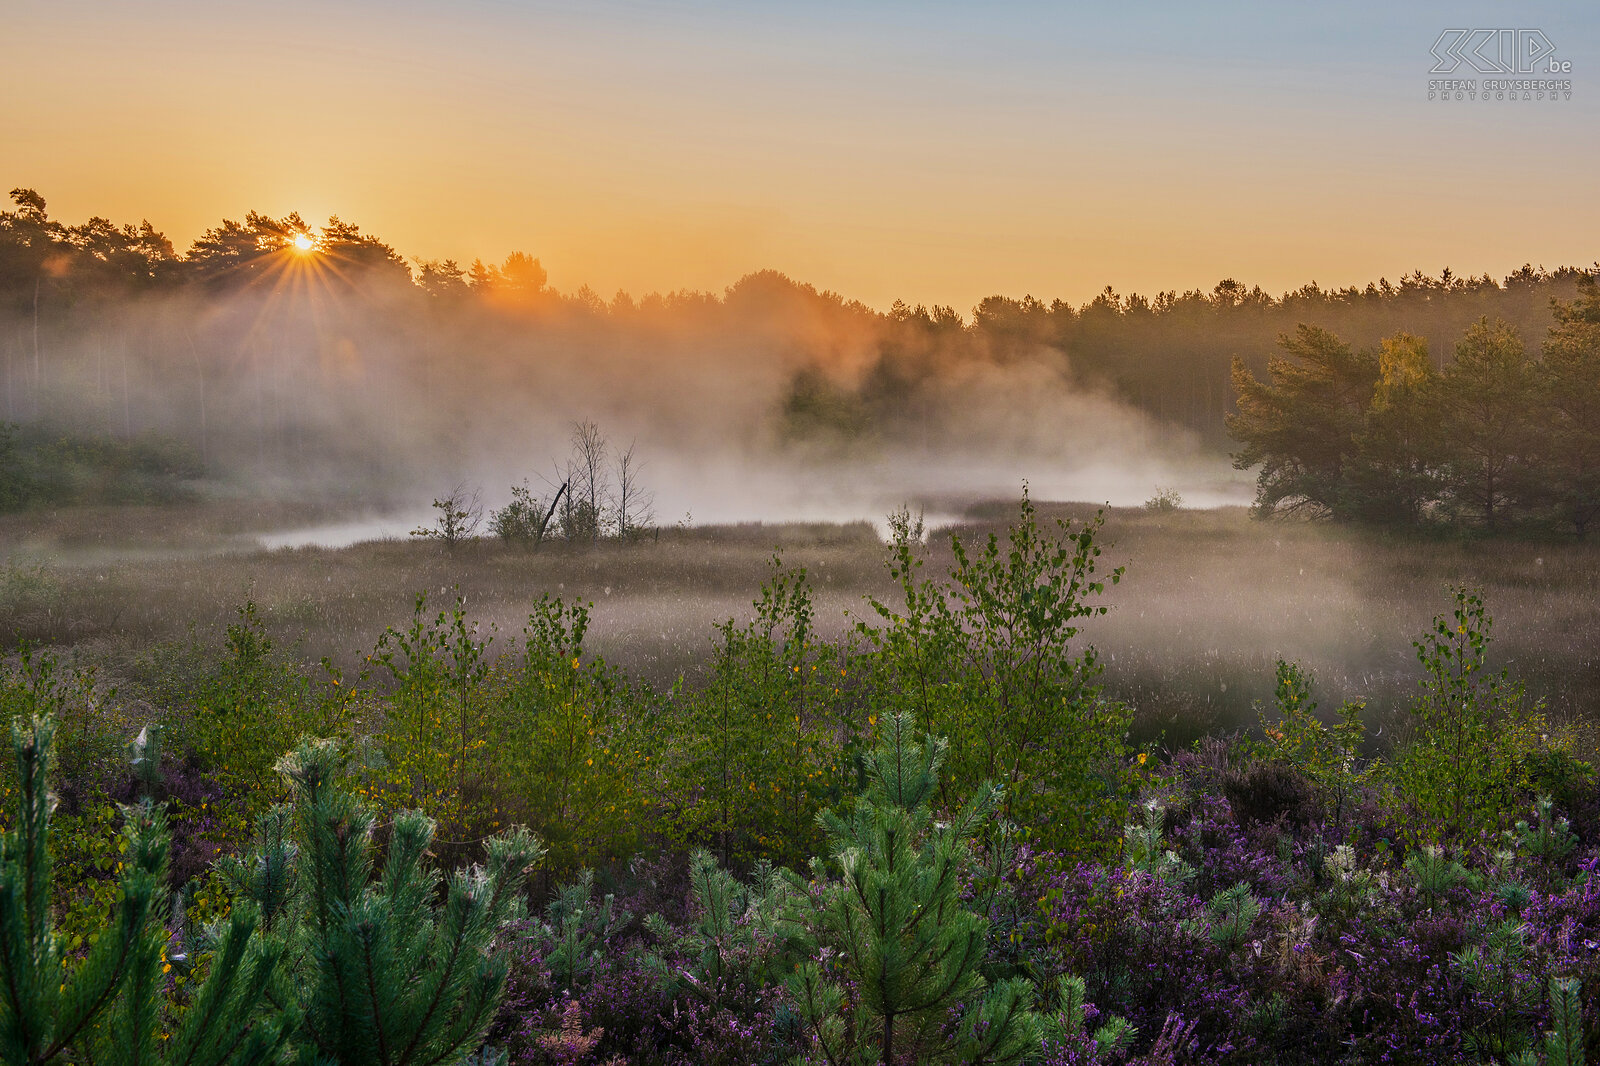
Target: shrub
[(764, 744), (525, 519), (1165, 501), (244, 708), (566, 756), (434, 725), (1463, 768), (460, 513), (1270, 792), (1326, 754), (989, 660)]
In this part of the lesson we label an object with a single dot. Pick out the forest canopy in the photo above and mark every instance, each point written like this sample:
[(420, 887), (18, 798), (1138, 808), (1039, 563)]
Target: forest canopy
[(1493, 436)]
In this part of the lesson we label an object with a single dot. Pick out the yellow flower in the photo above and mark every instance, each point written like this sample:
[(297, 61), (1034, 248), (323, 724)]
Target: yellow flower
[(1142, 758)]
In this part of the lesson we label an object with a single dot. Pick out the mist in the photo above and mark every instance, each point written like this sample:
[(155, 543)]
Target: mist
[(320, 381), (317, 366)]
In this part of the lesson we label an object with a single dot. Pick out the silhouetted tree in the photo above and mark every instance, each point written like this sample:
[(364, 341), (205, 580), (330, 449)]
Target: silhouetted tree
[(237, 253), (1301, 426), (1569, 387), (1395, 475), (634, 502), (589, 495), (1486, 433)]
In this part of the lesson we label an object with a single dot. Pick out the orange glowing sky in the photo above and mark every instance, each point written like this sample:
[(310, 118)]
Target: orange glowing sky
[(936, 153)]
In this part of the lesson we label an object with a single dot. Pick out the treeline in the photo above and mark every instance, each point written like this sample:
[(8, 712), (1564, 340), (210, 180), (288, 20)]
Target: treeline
[(272, 344), (1496, 436), (1170, 355), (38, 468)]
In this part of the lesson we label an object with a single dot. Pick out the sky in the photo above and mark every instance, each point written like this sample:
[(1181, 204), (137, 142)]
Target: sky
[(931, 152)]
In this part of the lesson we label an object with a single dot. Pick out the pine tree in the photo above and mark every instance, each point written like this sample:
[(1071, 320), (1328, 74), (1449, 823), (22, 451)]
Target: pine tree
[(382, 975), (109, 1008), (1301, 425), (1488, 439), (1569, 383), (892, 924), (1564, 1044), (1394, 476)]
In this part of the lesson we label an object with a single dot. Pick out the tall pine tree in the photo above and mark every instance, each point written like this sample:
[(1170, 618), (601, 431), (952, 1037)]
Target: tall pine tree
[(1488, 438), (1570, 390), (1301, 425)]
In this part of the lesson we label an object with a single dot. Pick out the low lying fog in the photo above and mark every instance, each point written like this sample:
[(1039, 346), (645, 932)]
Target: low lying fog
[(770, 403)]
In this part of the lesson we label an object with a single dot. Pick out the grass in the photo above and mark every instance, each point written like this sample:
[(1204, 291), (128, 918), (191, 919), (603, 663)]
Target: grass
[(1210, 598)]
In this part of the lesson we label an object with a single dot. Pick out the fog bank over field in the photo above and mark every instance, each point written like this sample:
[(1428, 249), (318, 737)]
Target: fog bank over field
[(283, 360)]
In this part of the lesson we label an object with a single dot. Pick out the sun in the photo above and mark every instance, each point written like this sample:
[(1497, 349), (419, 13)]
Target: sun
[(302, 242)]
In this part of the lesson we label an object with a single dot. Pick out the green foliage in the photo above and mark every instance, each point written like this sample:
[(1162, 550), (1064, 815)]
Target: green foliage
[(434, 727), (1437, 875), (1350, 885), (524, 520), (764, 744), (739, 933), (1144, 846), (1464, 766), (990, 660), (581, 521), (40, 466), (1484, 398), (1395, 475), (891, 920), (1073, 994), (315, 955), (248, 705), (575, 931), (15, 486), (1301, 426), (110, 1006), (459, 513), (1114, 1037), (564, 757), (39, 685), (1548, 837), (1563, 1045), (1327, 754), (1383, 437), (1568, 385), (1111, 1039), (381, 971), (88, 847), (1229, 916), (1497, 970), (1165, 501)]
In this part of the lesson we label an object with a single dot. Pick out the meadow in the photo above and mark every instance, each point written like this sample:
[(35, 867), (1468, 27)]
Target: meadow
[(1053, 785), (1210, 600)]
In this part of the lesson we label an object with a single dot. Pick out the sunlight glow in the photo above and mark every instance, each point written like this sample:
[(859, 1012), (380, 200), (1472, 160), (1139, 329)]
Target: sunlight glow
[(302, 242)]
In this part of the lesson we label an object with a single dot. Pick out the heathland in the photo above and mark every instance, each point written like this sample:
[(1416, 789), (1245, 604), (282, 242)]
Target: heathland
[(1050, 785)]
